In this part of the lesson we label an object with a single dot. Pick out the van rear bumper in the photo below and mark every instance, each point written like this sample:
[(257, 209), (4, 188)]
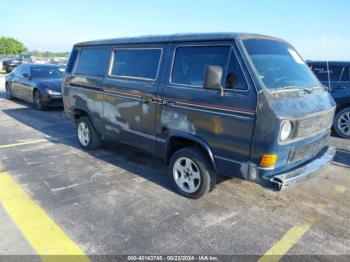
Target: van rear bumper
[(304, 172)]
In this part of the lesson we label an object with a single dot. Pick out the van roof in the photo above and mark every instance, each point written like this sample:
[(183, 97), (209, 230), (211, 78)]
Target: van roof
[(172, 38)]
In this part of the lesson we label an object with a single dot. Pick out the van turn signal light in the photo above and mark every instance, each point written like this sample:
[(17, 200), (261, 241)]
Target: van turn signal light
[(268, 161)]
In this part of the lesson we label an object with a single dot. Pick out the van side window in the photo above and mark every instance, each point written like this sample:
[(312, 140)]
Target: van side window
[(92, 62), (191, 63), (136, 63), (235, 78)]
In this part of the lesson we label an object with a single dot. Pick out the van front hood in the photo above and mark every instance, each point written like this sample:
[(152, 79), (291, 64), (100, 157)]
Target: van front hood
[(313, 110), (295, 104)]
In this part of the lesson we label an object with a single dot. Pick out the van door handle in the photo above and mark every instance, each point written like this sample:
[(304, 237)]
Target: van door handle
[(146, 99), (169, 103)]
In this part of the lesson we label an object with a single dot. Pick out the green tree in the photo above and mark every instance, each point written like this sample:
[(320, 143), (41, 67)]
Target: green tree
[(11, 46)]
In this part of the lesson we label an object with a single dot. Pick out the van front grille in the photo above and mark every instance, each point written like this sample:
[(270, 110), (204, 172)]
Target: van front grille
[(315, 124), (307, 151)]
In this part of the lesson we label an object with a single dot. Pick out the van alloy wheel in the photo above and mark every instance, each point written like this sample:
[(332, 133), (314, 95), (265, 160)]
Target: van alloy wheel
[(186, 175), (191, 173), (87, 135), (83, 134), (344, 123)]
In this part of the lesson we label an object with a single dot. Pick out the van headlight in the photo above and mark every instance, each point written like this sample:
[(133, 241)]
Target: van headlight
[(286, 130)]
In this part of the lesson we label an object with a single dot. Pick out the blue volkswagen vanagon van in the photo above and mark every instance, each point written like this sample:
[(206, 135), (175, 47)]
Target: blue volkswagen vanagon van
[(240, 105), (336, 76)]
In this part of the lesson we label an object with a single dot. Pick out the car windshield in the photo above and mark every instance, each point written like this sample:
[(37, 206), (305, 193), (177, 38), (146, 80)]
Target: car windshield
[(45, 72), (278, 64), (22, 57)]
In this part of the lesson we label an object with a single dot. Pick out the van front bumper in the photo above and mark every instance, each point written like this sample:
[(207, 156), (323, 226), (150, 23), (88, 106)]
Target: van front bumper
[(304, 172)]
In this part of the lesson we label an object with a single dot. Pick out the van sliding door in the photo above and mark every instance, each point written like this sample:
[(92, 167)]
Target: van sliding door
[(130, 91)]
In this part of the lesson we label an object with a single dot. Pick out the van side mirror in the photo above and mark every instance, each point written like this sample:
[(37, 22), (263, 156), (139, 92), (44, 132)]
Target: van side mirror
[(213, 78)]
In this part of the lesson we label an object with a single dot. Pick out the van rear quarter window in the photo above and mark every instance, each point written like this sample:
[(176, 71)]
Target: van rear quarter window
[(191, 63), (93, 61), (136, 63)]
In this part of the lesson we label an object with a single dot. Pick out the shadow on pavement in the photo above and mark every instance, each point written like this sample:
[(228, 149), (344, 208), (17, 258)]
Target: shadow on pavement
[(53, 124)]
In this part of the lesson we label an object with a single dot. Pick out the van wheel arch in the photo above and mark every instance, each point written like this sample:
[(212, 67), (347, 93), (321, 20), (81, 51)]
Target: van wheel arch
[(78, 113), (182, 140)]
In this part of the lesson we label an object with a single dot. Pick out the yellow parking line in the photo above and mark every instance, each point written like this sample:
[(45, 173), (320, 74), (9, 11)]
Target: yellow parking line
[(294, 234), (46, 237), (287, 242), (29, 142)]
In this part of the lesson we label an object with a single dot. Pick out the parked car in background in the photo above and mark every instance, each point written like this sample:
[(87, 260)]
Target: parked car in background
[(336, 76), (62, 67), (38, 84), (39, 61), (10, 64), (239, 105)]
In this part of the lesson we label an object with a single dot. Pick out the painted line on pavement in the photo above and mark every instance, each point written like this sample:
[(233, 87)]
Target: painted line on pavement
[(29, 142), (34, 141), (281, 247), (43, 234)]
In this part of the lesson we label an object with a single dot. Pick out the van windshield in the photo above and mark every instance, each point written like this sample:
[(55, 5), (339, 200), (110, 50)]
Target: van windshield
[(278, 64)]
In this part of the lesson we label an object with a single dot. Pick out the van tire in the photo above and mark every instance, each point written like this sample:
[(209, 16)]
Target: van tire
[(193, 159), (342, 116), (90, 139)]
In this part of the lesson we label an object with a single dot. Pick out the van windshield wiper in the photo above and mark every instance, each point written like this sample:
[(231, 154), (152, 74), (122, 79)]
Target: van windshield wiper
[(286, 88), (308, 90)]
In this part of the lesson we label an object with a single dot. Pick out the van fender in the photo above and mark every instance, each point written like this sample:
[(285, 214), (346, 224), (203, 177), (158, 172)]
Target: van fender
[(197, 140), (80, 105)]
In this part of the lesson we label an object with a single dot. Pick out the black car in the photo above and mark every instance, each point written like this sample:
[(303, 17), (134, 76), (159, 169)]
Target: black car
[(336, 76), (10, 64), (38, 84)]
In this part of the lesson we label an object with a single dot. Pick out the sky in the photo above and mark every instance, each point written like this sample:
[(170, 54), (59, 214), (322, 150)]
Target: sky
[(319, 29)]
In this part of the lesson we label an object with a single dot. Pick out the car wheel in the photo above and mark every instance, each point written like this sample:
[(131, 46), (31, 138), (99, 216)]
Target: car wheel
[(9, 92), (37, 101), (342, 123), (87, 135), (190, 173)]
